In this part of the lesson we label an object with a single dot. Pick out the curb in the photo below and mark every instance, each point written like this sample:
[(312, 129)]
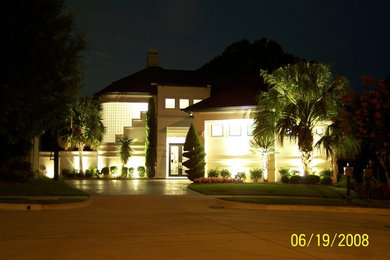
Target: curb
[(38, 207), (336, 209)]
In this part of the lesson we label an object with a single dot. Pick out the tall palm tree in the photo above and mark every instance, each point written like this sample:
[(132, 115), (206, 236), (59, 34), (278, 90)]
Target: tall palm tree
[(300, 96), (86, 127), (125, 150)]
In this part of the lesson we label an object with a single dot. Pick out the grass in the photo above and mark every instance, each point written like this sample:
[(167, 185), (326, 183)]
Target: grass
[(39, 187), (310, 201), (272, 189)]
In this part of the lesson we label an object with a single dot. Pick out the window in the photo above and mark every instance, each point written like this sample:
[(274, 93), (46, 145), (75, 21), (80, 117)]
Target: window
[(196, 101), (183, 103), (217, 130), (319, 131), (169, 103), (235, 129)]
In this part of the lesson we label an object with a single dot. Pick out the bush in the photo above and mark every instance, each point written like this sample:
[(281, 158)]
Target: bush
[(311, 179), (141, 171), (295, 172), (343, 182), (326, 173), (113, 169), (88, 173), (18, 171), (256, 174), (241, 176), (296, 179), (326, 180), (378, 191), (285, 178), (216, 180), (130, 172), (65, 172), (105, 171), (284, 171), (213, 173), (124, 172), (225, 173)]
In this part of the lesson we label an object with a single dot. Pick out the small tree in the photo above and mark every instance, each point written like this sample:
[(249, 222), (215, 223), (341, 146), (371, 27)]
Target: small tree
[(86, 127), (265, 146), (151, 140), (194, 152), (125, 150)]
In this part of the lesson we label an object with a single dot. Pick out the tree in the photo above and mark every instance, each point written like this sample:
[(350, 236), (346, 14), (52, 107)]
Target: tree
[(265, 146), (125, 150), (194, 152), (151, 140), (246, 58), (338, 146), (300, 96), (367, 116), (86, 127), (41, 71)]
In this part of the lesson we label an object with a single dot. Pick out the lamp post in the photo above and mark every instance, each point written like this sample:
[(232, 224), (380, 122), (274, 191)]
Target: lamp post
[(348, 170)]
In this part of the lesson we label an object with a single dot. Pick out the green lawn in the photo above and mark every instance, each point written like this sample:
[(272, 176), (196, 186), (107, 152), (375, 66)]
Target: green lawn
[(310, 201), (39, 187), (272, 189)]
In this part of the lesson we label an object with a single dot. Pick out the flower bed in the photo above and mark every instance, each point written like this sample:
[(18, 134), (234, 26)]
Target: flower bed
[(217, 180)]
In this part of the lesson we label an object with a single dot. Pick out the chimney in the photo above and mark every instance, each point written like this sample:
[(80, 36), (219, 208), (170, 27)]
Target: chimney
[(152, 60)]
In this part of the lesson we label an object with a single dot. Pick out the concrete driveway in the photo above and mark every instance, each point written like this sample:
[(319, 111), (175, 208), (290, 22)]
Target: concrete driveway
[(185, 227), (133, 187)]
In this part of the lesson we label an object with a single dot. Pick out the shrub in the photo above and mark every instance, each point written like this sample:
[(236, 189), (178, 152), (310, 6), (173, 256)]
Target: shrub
[(105, 171), (326, 173), (225, 173), (213, 173), (65, 172), (295, 172), (194, 152), (343, 182), (285, 178), (326, 180), (95, 171), (216, 180), (378, 191), (296, 179), (311, 179), (18, 171), (241, 176), (113, 169), (284, 171), (256, 174), (141, 171), (124, 172), (130, 172), (88, 173)]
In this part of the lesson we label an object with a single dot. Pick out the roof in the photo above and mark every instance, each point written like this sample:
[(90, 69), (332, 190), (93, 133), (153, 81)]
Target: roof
[(142, 80), (239, 96)]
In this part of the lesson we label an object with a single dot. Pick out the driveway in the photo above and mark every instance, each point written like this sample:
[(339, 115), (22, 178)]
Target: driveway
[(133, 187)]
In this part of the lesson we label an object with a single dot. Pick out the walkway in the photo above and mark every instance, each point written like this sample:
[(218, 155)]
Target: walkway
[(133, 187)]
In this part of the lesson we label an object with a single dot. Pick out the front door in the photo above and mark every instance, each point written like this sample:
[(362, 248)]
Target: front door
[(176, 167)]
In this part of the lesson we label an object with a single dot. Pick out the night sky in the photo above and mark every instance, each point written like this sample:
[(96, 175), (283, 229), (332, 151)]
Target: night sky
[(353, 37)]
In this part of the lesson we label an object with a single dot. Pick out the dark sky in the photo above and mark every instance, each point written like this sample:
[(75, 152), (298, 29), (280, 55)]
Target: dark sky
[(353, 37)]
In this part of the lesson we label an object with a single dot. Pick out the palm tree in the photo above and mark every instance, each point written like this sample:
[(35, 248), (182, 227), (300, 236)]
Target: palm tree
[(300, 96), (338, 147), (265, 146), (125, 150), (86, 127)]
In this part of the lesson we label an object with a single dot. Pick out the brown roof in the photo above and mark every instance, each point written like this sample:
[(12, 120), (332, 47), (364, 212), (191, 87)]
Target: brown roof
[(238, 95), (141, 81)]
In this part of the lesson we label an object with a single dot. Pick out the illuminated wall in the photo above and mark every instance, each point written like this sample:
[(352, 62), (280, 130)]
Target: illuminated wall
[(227, 145)]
